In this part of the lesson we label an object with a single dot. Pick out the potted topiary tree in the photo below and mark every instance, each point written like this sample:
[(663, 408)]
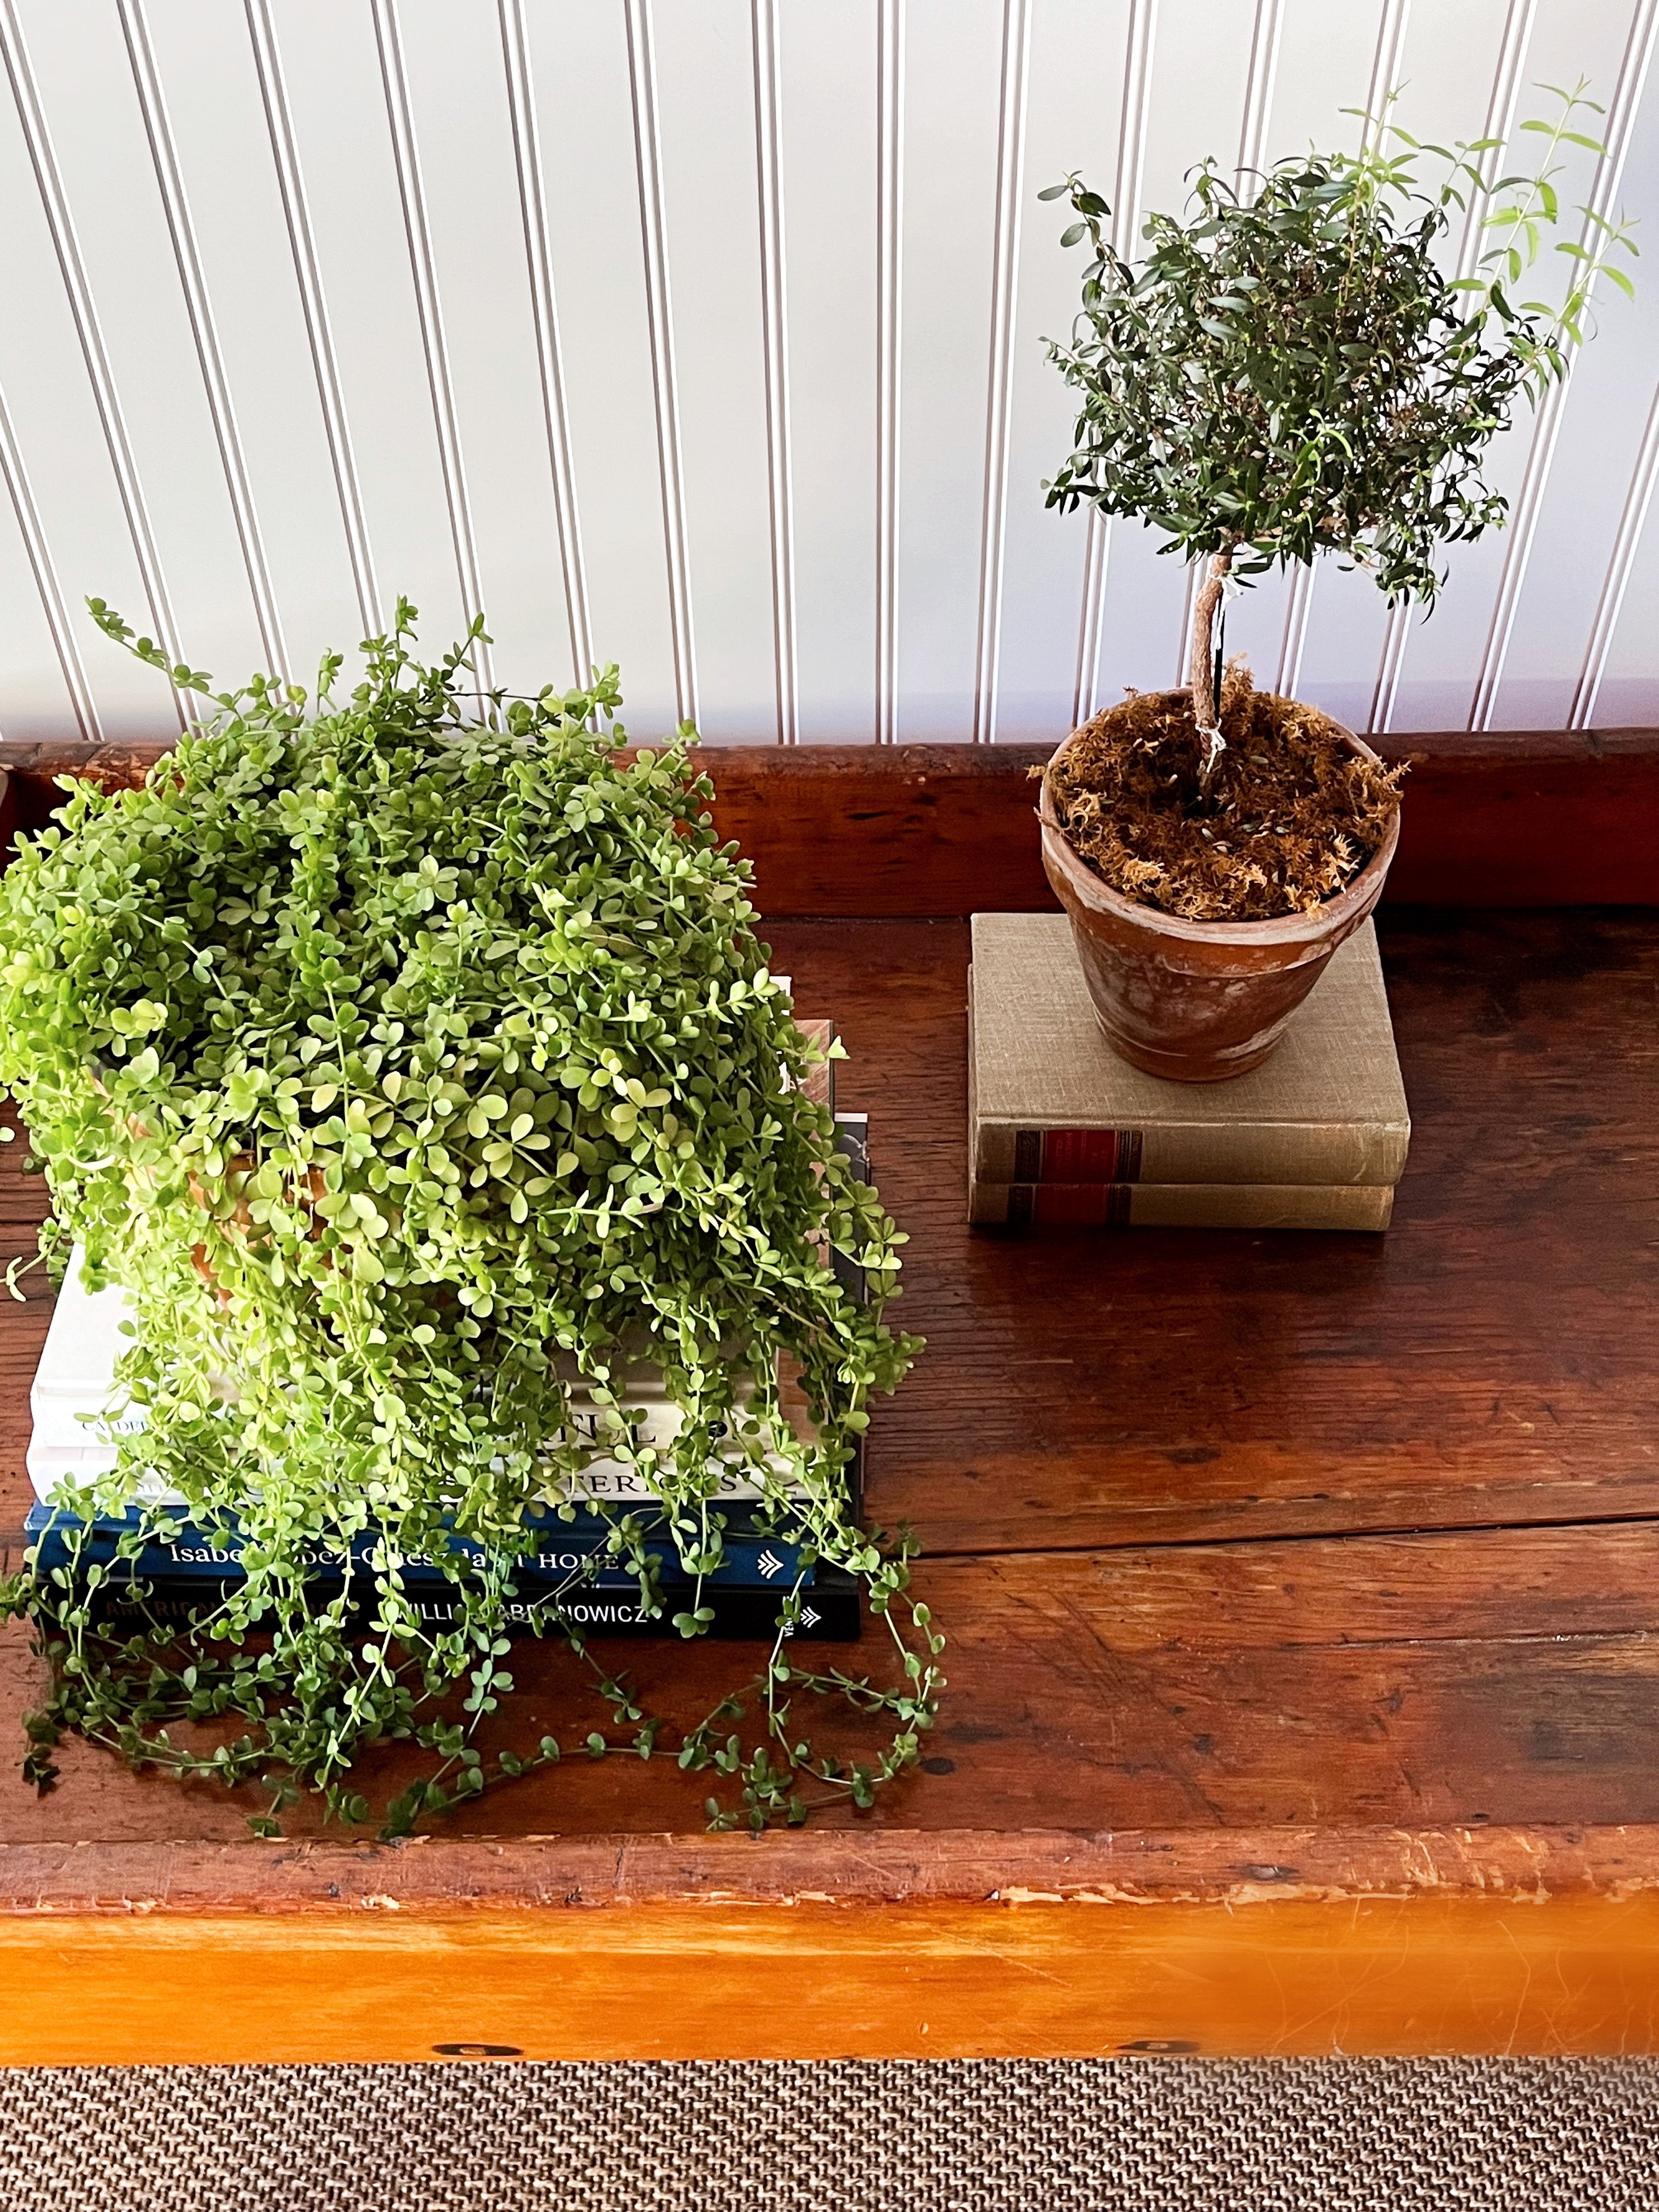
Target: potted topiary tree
[(1285, 375), (413, 1064)]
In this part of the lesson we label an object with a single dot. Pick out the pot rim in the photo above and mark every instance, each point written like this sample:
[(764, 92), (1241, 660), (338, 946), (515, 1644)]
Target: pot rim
[(1273, 929)]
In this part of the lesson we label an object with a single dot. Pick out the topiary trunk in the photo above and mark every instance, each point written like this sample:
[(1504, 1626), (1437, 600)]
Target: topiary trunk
[(1205, 701)]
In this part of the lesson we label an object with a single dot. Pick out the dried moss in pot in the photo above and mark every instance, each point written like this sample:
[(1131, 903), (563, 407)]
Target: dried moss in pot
[(1285, 819)]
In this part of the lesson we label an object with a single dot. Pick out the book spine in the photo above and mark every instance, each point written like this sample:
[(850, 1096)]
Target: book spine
[(1370, 1154), (852, 1140), (190, 1555), (830, 1613), (738, 1500), (1181, 1206), (820, 1083), (605, 1482), (1006, 1154)]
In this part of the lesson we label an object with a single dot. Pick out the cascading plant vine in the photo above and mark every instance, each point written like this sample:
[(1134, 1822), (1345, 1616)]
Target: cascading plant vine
[(409, 1063)]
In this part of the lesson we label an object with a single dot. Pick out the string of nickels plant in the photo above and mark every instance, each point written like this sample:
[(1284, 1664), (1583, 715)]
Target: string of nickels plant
[(420, 1078)]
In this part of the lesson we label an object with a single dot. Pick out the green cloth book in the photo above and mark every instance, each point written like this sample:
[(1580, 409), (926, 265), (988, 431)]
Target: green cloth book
[(1049, 1102)]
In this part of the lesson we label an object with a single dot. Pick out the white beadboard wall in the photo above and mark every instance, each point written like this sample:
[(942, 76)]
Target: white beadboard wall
[(706, 336)]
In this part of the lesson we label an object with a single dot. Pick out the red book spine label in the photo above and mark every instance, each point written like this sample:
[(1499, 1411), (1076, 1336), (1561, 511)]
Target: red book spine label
[(1077, 1155), (1068, 1205)]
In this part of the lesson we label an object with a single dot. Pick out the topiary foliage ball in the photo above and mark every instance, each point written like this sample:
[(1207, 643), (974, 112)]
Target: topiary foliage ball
[(408, 1070)]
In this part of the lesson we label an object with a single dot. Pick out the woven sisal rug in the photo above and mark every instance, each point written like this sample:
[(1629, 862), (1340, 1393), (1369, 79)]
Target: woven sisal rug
[(1120, 2135)]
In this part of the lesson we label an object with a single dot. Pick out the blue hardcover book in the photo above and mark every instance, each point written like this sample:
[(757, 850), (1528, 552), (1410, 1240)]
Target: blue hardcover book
[(183, 1552)]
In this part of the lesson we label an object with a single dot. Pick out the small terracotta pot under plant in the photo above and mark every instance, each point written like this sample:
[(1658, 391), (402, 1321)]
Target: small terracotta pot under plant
[(1201, 1000), (1285, 374)]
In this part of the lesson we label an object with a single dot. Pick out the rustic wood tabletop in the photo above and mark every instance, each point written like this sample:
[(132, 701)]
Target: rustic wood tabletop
[(1302, 1594)]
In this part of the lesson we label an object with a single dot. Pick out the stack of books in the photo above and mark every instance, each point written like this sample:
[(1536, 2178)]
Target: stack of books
[(1063, 1133), (567, 1571)]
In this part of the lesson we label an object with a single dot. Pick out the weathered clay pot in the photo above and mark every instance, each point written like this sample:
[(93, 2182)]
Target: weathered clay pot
[(1198, 1001)]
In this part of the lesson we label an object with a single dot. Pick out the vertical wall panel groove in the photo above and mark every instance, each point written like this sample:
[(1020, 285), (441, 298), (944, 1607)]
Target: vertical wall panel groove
[(647, 155), (1396, 628), (296, 214), (1010, 191), (774, 323), (890, 234), (549, 360), (1140, 46), (1547, 425), (1253, 154), (43, 570), (181, 230), (1096, 544), (1396, 631), (1385, 79), (66, 246), (1385, 70), (1632, 516), (1298, 608), (412, 196), (1189, 615), (1259, 94), (1507, 77)]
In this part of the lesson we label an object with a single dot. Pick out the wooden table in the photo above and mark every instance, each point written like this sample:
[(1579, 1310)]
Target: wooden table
[(1301, 1593)]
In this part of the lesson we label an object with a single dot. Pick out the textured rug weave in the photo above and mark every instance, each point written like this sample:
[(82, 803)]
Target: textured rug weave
[(1118, 2136)]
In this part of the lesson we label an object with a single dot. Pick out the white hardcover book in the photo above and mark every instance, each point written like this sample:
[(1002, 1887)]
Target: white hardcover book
[(78, 1415), (75, 1409)]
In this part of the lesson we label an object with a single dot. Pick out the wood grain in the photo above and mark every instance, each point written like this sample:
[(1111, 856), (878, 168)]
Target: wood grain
[(1492, 819)]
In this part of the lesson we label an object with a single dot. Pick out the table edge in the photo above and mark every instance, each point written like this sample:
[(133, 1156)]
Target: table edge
[(432, 1875)]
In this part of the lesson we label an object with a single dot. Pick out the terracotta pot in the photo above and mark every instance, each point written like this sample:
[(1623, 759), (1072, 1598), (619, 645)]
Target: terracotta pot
[(1198, 1001)]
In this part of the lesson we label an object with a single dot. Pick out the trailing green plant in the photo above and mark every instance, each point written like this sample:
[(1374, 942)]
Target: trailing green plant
[(1289, 372), (411, 1063)]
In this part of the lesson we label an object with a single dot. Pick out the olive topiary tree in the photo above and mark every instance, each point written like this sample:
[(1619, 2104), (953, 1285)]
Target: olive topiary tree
[(1292, 374)]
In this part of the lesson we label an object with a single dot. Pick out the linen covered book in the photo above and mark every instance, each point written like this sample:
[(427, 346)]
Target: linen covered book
[(1181, 1204), (1062, 1130)]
